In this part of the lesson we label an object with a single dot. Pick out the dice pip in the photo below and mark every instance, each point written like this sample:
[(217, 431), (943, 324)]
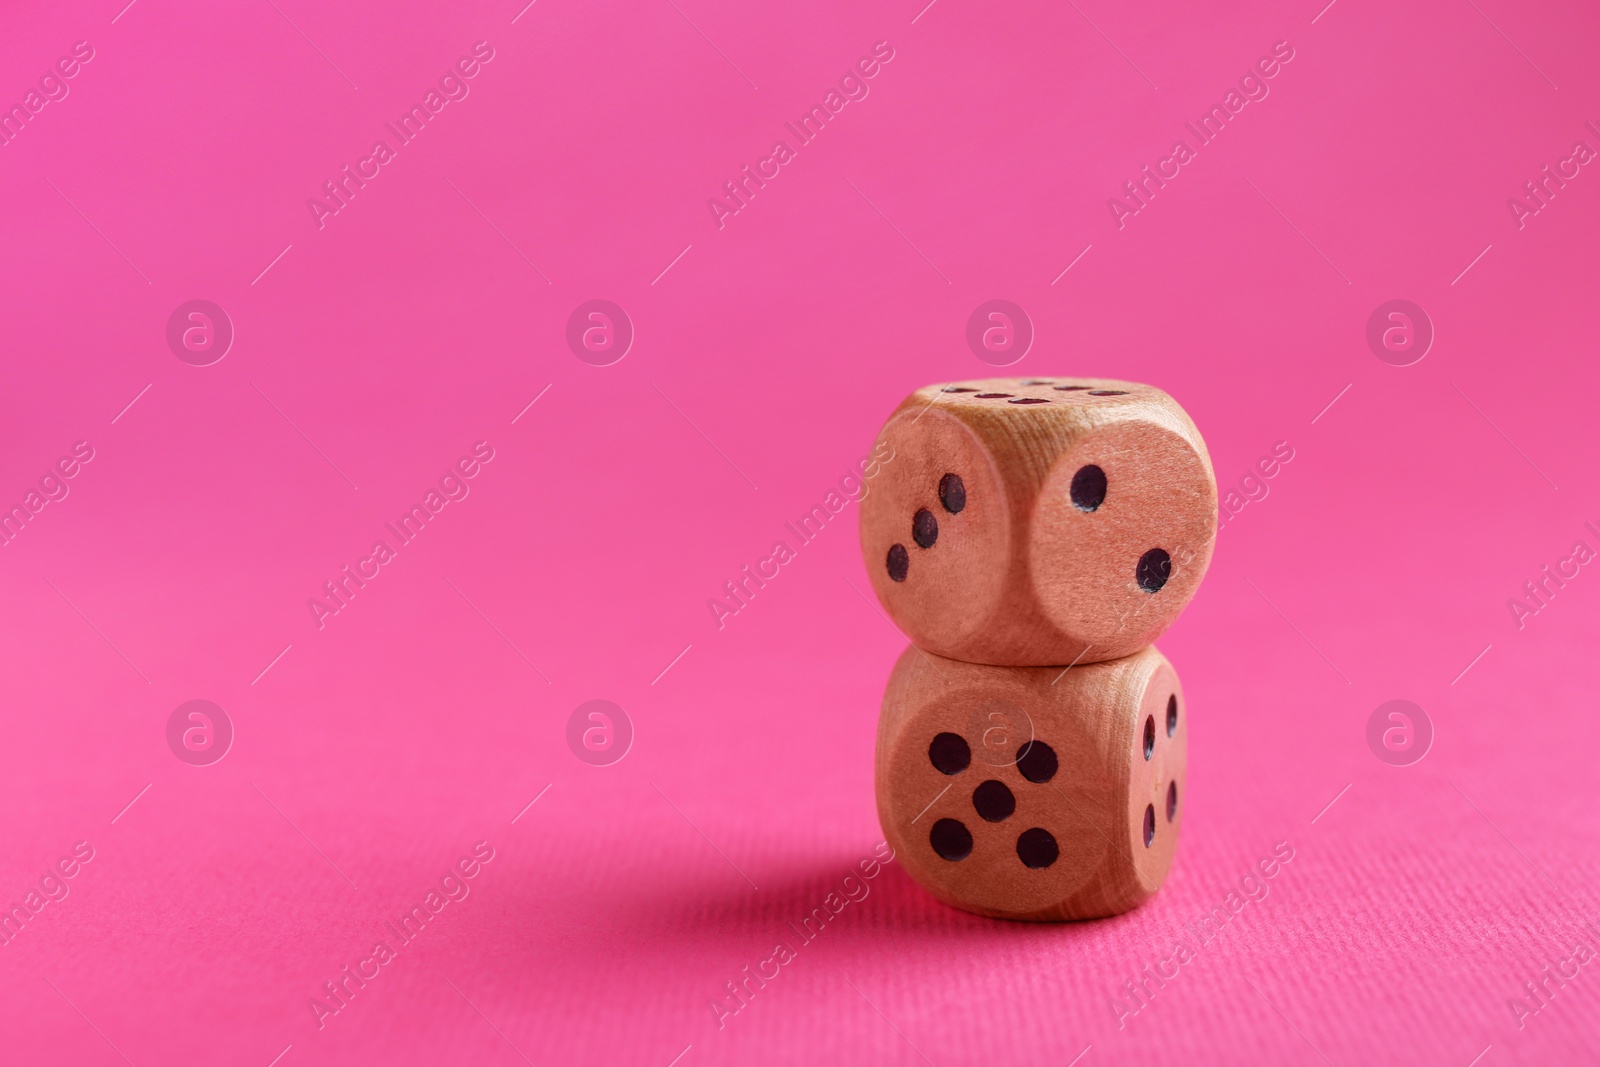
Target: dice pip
[(1030, 522), (1033, 792)]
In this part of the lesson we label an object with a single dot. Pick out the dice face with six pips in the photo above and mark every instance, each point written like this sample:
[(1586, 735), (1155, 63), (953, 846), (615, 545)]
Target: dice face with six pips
[(1033, 793), (1035, 521)]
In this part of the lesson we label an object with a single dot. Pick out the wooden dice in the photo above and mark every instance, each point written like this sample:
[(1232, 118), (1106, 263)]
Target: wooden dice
[(1029, 522), (1033, 536), (1033, 793)]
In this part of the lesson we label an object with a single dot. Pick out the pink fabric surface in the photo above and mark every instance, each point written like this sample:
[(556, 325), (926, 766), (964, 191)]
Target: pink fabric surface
[(374, 347)]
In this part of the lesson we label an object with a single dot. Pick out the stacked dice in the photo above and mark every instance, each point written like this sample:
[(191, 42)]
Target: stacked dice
[(1033, 537)]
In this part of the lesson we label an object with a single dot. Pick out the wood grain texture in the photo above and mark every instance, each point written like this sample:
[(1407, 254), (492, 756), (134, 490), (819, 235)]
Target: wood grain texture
[(1094, 720), (1021, 575)]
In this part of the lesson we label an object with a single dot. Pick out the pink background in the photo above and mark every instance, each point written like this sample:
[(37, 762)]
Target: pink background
[(376, 751)]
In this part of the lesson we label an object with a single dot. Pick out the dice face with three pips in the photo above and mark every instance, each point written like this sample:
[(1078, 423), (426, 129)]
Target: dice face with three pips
[(1033, 793), (1033, 537), (1039, 521)]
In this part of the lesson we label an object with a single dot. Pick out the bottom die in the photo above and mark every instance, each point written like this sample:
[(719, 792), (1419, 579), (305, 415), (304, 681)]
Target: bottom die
[(1033, 792)]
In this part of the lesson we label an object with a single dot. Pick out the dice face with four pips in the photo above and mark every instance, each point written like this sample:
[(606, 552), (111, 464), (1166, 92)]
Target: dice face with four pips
[(1039, 521), (1037, 793)]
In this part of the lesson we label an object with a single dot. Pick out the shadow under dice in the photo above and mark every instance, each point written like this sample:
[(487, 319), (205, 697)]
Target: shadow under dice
[(1027, 522), (1029, 793)]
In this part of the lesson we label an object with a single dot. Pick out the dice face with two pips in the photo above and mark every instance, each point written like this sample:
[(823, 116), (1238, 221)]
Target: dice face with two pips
[(1038, 521), (1033, 793)]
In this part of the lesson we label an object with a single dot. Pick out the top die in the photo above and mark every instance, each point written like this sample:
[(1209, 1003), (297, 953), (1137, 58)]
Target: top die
[(1039, 521)]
